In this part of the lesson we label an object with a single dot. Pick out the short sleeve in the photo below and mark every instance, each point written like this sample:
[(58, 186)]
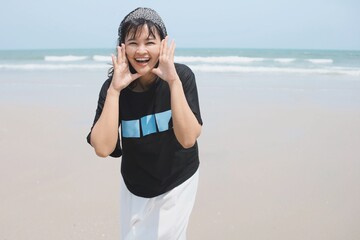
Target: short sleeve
[(187, 78), (102, 96)]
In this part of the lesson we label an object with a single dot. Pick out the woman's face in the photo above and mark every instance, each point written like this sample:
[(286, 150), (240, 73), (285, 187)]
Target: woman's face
[(143, 50)]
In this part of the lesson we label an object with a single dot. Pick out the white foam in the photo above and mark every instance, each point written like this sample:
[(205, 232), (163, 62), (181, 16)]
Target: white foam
[(68, 58), (228, 59), (320, 61), (203, 68), (242, 69), (284, 60), (52, 66), (100, 58)]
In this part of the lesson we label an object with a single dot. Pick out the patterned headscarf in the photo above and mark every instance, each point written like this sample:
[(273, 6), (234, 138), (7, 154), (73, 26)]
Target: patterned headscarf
[(144, 13)]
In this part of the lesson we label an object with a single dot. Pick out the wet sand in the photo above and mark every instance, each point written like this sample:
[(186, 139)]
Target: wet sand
[(279, 159)]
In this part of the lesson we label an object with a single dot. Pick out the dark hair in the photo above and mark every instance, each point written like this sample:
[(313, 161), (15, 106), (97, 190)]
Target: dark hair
[(134, 28)]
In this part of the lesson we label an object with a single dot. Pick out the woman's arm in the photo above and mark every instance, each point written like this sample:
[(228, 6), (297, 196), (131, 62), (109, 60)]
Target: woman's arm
[(186, 127), (104, 134)]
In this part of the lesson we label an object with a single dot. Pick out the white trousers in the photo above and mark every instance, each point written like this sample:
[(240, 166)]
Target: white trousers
[(164, 217)]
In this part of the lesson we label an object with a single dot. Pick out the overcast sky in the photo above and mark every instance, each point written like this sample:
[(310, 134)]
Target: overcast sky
[(295, 24)]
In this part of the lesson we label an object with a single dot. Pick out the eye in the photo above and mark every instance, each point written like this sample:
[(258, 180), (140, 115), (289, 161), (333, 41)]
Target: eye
[(131, 43), (150, 43)]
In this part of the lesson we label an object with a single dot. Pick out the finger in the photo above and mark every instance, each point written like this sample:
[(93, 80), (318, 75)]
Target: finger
[(161, 47), (113, 59), (165, 50), (172, 49), (123, 52), (118, 54)]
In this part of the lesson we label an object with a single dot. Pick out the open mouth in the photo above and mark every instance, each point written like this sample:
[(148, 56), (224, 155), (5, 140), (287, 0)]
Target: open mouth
[(142, 60)]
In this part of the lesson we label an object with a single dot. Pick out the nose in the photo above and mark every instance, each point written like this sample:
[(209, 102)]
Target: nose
[(141, 49)]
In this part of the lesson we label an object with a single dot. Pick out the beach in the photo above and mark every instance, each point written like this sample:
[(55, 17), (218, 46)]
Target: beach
[(279, 155), (279, 162)]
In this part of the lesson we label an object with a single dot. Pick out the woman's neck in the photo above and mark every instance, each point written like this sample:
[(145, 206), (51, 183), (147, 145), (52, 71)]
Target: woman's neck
[(144, 83)]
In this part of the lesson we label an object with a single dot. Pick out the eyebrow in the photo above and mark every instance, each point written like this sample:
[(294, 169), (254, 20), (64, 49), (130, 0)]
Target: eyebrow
[(148, 38)]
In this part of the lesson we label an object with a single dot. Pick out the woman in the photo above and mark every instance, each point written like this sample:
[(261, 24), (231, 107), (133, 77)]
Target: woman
[(155, 103)]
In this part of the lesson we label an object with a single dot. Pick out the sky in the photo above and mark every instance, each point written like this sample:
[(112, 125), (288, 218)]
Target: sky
[(280, 24)]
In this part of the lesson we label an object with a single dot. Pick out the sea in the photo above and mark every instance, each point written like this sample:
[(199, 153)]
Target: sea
[(323, 62), (68, 76)]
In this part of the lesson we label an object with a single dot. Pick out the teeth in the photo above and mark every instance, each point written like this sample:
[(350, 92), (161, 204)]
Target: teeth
[(142, 59)]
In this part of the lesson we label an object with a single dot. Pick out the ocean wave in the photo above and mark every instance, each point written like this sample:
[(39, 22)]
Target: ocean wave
[(68, 58), (194, 59), (284, 60), (320, 61), (241, 69), (52, 66), (100, 58), (221, 59), (245, 60), (196, 67)]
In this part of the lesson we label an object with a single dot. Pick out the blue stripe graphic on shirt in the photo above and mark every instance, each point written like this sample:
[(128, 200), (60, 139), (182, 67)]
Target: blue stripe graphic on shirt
[(148, 125), (131, 128), (162, 120)]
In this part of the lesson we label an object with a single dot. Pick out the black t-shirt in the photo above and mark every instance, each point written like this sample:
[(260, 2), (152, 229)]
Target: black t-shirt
[(153, 161)]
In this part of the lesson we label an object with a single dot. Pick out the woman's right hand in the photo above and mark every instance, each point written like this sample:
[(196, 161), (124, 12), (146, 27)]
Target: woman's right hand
[(122, 76)]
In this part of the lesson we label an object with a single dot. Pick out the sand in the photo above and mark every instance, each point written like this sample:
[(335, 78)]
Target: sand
[(279, 159)]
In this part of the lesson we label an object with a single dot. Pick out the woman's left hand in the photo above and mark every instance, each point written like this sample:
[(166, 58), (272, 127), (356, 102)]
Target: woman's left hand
[(166, 69)]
